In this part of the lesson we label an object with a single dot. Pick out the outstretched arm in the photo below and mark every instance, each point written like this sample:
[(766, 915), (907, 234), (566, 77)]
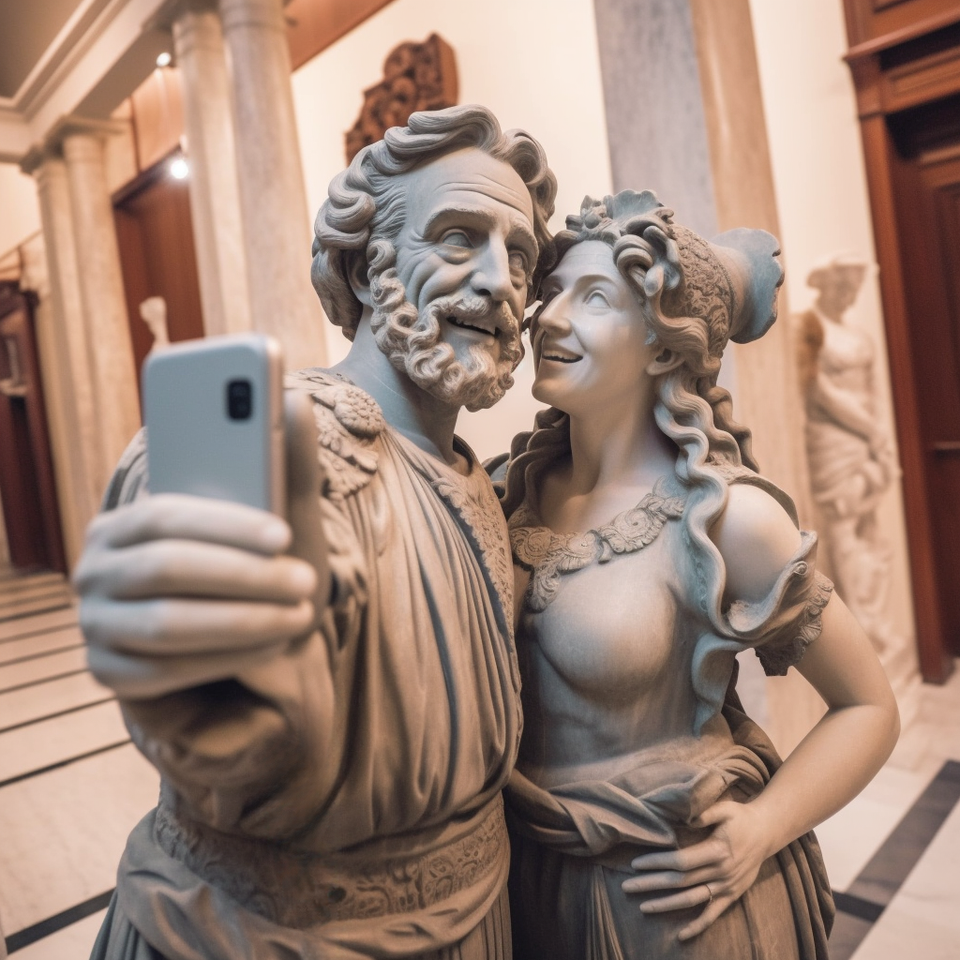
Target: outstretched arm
[(178, 591), (839, 756), (197, 613)]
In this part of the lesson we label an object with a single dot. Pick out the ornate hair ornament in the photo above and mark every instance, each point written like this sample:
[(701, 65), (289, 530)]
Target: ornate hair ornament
[(730, 282)]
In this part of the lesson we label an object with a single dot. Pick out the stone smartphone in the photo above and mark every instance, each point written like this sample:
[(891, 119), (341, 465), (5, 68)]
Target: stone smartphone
[(213, 410)]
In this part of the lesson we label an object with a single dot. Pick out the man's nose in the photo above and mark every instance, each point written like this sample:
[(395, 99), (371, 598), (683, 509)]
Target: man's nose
[(492, 278)]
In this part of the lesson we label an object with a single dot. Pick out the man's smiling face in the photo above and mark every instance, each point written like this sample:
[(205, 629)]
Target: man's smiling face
[(467, 245)]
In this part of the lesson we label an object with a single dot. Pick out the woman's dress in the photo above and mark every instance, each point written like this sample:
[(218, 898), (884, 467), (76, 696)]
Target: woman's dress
[(629, 619)]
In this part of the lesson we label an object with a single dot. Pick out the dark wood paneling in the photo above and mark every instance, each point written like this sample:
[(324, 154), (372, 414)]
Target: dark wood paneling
[(157, 253), (905, 60), (313, 25), (925, 225), (27, 486), (874, 24), (157, 110)]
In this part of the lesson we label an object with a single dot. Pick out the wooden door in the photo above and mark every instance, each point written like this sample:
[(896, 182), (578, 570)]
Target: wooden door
[(928, 202), (27, 488), (157, 255), (905, 61)]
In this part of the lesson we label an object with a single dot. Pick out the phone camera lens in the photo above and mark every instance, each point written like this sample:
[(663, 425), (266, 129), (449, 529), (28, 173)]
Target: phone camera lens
[(239, 399)]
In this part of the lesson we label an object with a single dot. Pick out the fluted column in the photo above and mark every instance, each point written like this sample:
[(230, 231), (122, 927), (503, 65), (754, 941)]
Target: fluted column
[(214, 192), (65, 358), (702, 143), (276, 224), (767, 389), (101, 287)]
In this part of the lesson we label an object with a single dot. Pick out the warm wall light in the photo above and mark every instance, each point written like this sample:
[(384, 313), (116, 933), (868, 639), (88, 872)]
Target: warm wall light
[(179, 168), (164, 60)]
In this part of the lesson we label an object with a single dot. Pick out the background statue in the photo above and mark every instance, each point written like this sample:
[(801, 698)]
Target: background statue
[(852, 461), (652, 818), (153, 312), (333, 736)]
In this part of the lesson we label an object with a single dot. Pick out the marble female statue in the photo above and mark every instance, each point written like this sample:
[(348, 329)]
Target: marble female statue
[(651, 817), (852, 461)]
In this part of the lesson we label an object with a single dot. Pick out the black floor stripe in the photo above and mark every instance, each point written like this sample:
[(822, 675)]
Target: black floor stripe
[(36, 683), (63, 763), (38, 656), (58, 713), (878, 882), (858, 907), (7, 618), (41, 586), (39, 632), (15, 600), (23, 938)]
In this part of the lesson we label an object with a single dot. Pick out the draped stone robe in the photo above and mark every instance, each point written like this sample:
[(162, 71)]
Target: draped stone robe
[(343, 799)]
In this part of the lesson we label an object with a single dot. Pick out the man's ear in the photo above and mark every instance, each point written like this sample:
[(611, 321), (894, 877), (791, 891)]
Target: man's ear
[(665, 361), (357, 276)]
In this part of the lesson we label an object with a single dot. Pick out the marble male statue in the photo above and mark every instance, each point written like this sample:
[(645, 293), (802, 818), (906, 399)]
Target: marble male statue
[(335, 792)]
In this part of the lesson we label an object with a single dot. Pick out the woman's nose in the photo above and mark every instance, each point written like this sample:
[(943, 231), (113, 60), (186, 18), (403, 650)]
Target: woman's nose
[(552, 316)]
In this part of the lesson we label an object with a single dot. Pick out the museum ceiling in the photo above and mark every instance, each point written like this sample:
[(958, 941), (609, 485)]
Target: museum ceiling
[(26, 31)]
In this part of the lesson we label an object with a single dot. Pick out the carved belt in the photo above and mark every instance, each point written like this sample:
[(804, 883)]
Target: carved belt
[(300, 890)]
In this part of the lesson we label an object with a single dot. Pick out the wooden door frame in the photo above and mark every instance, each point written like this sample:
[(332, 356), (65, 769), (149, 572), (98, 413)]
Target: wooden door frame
[(910, 66)]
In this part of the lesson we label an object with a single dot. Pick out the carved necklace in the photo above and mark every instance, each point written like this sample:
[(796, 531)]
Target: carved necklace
[(548, 555)]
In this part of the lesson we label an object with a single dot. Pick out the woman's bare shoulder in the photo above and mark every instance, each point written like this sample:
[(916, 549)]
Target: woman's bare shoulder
[(756, 538)]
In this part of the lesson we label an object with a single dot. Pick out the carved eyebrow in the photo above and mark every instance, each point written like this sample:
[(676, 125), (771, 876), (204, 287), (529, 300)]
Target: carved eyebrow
[(583, 280), (474, 217)]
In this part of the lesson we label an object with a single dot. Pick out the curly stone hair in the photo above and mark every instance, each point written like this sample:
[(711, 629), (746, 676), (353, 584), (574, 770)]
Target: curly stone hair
[(364, 204)]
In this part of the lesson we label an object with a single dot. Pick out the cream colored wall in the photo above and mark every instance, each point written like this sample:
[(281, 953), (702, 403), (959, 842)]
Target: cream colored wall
[(535, 64), (822, 194), (19, 210)]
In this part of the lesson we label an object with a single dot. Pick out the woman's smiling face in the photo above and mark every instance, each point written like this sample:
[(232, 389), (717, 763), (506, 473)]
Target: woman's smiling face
[(589, 337)]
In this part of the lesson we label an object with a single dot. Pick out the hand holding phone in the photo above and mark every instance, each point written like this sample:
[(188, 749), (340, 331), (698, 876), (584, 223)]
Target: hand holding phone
[(184, 587)]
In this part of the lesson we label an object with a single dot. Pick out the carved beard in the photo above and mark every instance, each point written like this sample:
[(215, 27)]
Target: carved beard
[(412, 341)]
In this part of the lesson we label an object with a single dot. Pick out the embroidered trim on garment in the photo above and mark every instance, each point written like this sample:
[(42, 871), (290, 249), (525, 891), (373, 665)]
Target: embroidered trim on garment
[(484, 518), (300, 890), (548, 555), (348, 421), (776, 660)]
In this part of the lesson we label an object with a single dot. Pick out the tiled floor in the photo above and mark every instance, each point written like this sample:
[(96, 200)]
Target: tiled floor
[(72, 786)]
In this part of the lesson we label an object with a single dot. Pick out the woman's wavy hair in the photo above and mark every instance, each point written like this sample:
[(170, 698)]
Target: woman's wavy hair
[(695, 296), (365, 204)]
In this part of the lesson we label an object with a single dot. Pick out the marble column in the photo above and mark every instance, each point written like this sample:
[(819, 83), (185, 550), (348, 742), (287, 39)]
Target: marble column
[(101, 287), (655, 112), (65, 357), (214, 192), (768, 390), (276, 223), (768, 393), (685, 118)]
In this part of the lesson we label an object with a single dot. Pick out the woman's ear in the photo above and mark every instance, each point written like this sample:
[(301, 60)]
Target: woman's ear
[(357, 276), (665, 361)]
